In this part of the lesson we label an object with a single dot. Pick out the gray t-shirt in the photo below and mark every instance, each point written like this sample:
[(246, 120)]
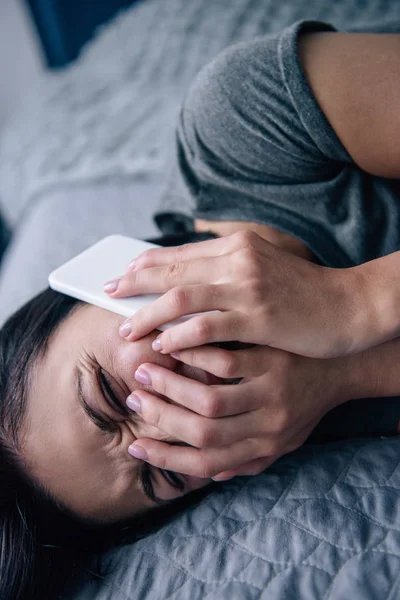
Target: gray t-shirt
[(252, 144)]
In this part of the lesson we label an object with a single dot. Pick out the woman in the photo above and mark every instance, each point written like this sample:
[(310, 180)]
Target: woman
[(66, 473), (66, 374), (297, 135)]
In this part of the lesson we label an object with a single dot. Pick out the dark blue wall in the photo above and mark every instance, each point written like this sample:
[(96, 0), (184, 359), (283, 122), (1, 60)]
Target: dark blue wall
[(65, 25)]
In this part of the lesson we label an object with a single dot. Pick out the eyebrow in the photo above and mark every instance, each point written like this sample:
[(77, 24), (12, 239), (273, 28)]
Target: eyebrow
[(105, 425)]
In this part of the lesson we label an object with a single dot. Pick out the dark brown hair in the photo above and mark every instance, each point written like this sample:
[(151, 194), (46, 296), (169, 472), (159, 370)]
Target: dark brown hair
[(24, 553), (43, 546)]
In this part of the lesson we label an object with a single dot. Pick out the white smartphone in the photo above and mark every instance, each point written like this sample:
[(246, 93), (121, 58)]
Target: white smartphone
[(83, 277)]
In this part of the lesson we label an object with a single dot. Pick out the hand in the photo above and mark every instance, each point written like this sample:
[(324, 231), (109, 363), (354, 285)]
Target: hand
[(237, 429), (266, 296)]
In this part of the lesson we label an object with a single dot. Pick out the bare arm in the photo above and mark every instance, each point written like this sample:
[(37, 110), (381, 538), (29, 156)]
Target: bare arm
[(355, 78)]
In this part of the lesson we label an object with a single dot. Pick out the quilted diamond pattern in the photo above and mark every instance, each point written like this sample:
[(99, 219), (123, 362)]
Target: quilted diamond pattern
[(322, 523)]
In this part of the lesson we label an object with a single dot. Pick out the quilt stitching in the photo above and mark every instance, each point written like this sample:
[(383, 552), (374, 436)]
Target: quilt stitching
[(279, 566)]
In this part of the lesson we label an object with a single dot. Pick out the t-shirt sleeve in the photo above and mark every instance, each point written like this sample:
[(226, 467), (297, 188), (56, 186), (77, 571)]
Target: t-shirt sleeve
[(253, 144)]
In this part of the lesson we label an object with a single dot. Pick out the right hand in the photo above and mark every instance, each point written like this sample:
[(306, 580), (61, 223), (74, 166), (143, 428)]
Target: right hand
[(266, 296), (237, 429)]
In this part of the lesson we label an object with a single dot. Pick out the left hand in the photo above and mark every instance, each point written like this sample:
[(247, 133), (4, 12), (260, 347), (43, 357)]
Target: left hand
[(238, 429), (263, 296)]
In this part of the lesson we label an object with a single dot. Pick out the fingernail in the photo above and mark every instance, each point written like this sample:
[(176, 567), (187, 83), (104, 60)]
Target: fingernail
[(175, 355), (125, 329), (143, 376), (132, 265), (156, 345), (138, 452), (134, 403), (218, 479), (111, 286)]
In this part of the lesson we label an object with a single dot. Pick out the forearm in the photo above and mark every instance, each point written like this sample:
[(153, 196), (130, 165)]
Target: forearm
[(370, 374), (354, 78)]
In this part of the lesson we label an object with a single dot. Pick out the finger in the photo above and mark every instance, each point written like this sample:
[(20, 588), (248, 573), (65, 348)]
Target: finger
[(155, 257), (180, 301), (254, 467), (158, 280), (212, 401), (194, 429), (228, 364), (204, 329), (204, 463), (188, 252)]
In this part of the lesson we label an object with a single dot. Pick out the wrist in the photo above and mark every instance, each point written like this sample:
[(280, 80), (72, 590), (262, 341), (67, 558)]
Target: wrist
[(370, 302), (381, 289), (353, 377), (351, 310)]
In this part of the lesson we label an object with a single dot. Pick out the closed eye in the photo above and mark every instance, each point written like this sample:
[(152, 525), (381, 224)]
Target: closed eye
[(111, 397), (102, 423), (110, 426)]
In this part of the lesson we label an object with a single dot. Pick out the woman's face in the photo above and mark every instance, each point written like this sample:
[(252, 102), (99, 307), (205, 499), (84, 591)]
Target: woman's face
[(81, 458)]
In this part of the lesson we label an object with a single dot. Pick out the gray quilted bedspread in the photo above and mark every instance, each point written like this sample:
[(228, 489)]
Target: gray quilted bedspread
[(321, 524)]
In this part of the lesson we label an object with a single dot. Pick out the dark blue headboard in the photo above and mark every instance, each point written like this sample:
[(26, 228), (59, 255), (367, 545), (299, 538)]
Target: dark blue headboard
[(65, 25)]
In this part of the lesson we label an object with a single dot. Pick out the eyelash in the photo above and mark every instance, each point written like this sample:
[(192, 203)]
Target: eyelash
[(109, 394), (106, 425)]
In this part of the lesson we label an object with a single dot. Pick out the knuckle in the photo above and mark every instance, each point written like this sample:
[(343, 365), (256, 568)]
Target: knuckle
[(269, 311), (248, 263), (130, 278), (198, 437), (162, 462), (205, 435), (265, 446), (279, 421), (229, 366), (162, 387), (245, 238), (204, 469), (181, 251), (155, 417), (179, 299), (282, 421), (174, 271), (201, 330), (145, 257), (168, 340), (191, 357), (210, 405), (255, 292)]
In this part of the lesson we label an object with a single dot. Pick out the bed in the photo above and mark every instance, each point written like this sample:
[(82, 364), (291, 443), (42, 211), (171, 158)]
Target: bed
[(85, 156)]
